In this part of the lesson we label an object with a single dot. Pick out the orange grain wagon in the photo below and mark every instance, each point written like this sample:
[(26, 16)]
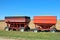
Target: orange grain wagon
[(44, 22)]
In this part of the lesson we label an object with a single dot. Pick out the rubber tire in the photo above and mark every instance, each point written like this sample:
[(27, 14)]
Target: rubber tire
[(22, 29), (6, 28), (53, 30), (35, 30)]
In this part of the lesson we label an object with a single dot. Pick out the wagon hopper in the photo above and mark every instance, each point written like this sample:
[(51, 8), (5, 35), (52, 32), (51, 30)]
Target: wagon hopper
[(44, 22), (17, 22)]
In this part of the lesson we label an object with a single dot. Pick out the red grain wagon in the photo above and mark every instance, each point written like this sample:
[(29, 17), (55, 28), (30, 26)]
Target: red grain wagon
[(17, 22), (44, 22)]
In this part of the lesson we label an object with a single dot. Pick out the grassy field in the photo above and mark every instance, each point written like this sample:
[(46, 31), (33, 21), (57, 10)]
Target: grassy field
[(30, 35)]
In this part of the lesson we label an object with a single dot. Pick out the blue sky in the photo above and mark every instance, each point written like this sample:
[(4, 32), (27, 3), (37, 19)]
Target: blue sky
[(29, 8)]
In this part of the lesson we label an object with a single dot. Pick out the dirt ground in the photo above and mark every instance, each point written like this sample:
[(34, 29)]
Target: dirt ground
[(6, 39), (10, 39)]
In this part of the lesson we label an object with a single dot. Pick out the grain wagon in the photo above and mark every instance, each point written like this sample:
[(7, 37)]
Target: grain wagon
[(44, 23), (17, 23)]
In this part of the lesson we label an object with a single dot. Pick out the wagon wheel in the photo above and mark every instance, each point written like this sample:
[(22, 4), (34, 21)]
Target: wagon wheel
[(35, 30), (6, 29), (53, 29), (22, 29), (27, 28)]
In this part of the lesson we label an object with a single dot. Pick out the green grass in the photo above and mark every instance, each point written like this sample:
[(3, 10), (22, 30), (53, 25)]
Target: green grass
[(31, 35)]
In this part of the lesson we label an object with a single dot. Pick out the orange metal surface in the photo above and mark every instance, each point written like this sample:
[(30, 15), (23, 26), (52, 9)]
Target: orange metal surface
[(45, 19), (44, 22)]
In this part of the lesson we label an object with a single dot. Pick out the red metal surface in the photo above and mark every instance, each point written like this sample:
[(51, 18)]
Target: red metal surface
[(16, 26), (16, 22), (43, 26)]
